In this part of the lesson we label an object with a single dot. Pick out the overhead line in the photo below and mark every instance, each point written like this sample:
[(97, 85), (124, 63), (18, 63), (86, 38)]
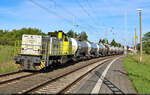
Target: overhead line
[(54, 13), (86, 11), (62, 7), (83, 8), (90, 7), (49, 11), (69, 12)]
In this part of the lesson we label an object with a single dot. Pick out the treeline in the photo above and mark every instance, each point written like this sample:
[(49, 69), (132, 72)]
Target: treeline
[(9, 37), (146, 42), (83, 37), (80, 36), (113, 42)]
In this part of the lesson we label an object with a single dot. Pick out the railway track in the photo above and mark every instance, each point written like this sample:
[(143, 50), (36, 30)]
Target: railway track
[(13, 76), (57, 81), (11, 73), (61, 84)]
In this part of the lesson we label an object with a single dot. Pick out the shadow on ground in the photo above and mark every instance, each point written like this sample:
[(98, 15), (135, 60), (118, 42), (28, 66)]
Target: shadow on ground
[(109, 84)]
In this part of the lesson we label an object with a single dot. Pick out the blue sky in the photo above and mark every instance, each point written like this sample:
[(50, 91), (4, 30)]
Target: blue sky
[(96, 17)]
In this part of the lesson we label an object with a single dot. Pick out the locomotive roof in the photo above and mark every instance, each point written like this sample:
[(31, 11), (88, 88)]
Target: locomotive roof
[(55, 33)]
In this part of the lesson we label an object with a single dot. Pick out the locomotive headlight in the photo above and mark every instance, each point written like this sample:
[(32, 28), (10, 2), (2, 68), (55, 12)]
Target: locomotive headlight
[(22, 48)]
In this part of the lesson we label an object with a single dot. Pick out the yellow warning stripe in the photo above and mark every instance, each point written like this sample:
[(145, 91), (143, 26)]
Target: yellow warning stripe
[(39, 67), (43, 63)]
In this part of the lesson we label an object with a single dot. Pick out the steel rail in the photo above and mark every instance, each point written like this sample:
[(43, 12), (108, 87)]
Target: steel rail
[(40, 85)]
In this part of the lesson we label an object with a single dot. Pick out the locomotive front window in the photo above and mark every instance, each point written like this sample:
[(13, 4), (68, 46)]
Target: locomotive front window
[(66, 39)]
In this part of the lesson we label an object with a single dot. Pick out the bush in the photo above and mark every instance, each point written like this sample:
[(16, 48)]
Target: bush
[(9, 37)]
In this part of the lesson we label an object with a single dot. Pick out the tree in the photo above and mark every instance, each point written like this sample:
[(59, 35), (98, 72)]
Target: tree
[(103, 41), (100, 41), (106, 41), (114, 43), (146, 43), (9, 37), (83, 36), (119, 45), (71, 33)]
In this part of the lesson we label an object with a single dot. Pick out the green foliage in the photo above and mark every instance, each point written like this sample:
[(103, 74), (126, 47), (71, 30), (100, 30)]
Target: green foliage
[(146, 43), (100, 41), (81, 36), (6, 59), (72, 34), (8, 37), (114, 43), (139, 72), (103, 41)]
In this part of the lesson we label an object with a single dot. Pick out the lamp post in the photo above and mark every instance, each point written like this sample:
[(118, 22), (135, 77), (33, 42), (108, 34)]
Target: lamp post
[(140, 35)]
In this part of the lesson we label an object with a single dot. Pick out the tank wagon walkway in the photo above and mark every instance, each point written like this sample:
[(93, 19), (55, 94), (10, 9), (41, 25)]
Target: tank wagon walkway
[(110, 78)]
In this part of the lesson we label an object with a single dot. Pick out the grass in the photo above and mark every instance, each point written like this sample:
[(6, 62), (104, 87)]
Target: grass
[(138, 72), (6, 60)]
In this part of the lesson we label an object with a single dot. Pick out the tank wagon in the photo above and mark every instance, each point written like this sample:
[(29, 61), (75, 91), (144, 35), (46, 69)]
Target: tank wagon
[(38, 52)]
